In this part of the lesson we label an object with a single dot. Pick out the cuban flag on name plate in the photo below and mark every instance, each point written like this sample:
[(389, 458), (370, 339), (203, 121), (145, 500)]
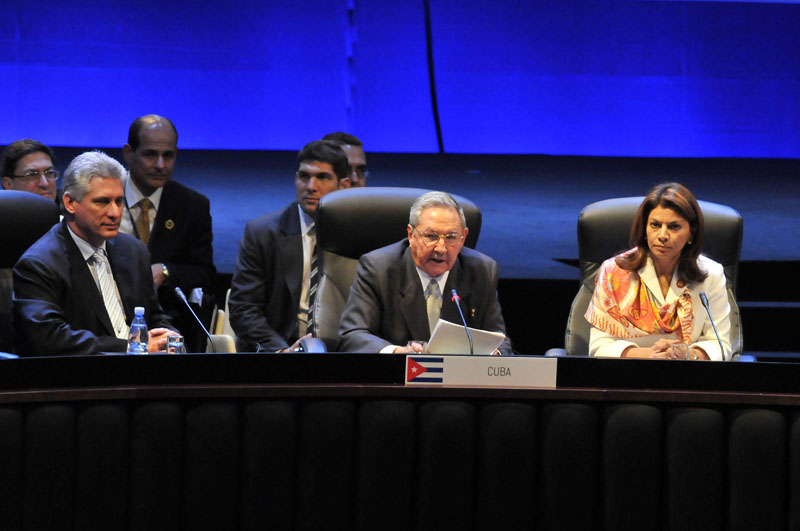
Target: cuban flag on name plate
[(424, 370)]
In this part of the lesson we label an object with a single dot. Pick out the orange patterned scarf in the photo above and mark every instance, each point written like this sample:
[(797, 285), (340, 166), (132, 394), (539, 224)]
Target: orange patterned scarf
[(623, 307)]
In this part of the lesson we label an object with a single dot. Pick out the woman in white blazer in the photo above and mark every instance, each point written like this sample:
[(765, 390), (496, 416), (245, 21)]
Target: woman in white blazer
[(647, 299)]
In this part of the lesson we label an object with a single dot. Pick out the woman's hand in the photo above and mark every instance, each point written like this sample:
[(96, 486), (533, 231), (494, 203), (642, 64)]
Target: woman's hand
[(661, 350), (664, 345)]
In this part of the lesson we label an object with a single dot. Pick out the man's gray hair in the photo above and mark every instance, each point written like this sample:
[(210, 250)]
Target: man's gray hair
[(434, 199), (85, 166)]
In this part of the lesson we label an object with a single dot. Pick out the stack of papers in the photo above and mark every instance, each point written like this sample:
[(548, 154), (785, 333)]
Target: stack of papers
[(451, 338)]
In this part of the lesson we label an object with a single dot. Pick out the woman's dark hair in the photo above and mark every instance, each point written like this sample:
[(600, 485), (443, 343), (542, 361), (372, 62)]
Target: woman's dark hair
[(676, 197)]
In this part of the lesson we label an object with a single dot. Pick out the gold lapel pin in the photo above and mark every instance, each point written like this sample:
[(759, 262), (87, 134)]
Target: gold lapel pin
[(169, 224)]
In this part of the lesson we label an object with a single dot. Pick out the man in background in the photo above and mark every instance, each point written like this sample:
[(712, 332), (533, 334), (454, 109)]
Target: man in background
[(274, 280), (174, 222), (27, 166), (356, 158)]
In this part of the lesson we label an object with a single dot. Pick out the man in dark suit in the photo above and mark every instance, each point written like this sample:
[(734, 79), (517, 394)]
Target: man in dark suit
[(401, 290), (270, 289), (174, 222), (76, 288)]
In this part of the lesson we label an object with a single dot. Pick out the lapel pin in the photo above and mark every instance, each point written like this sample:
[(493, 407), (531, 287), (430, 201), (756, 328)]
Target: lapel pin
[(169, 224)]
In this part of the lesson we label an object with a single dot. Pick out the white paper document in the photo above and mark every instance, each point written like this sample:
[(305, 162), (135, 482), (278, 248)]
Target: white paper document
[(450, 338)]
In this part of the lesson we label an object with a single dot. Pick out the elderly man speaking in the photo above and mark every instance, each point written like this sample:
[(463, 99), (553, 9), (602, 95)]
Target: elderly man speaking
[(401, 290)]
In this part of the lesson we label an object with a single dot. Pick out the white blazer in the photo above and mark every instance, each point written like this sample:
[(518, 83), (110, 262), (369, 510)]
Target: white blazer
[(604, 345)]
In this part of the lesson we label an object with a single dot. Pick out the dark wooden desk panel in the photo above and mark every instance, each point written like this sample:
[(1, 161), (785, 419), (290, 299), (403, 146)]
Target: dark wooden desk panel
[(337, 441), (355, 375)]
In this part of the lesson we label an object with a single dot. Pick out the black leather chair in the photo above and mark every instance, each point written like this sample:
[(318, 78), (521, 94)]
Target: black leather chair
[(353, 222), (24, 218), (603, 231)]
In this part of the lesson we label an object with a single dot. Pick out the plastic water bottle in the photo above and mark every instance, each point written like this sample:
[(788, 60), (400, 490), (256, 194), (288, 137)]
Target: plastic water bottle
[(137, 339)]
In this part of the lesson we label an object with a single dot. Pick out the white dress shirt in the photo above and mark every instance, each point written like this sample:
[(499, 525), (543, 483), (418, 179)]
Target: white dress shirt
[(133, 210)]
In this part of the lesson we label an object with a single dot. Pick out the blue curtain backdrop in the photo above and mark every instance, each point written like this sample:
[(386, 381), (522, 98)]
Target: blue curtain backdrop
[(634, 78)]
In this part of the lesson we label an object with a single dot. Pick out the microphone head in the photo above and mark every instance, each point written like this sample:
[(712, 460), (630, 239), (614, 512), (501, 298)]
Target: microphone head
[(179, 291), (704, 299), (455, 296)]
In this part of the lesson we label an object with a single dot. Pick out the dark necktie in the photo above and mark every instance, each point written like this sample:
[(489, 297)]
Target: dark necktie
[(312, 287)]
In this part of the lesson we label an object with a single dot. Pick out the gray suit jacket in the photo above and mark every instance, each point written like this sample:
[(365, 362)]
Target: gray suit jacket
[(266, 285), (57, 307), (386, 305)]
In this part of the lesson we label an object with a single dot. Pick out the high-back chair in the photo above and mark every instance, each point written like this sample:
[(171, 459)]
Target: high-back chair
[(603, 231), (24, 218), (355, 221)]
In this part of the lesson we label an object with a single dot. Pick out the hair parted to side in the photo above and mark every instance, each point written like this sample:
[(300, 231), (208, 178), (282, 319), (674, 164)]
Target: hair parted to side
[(326, 151), (434, 199), (86, 166), (16, 151), (343, 139), (678, 198)]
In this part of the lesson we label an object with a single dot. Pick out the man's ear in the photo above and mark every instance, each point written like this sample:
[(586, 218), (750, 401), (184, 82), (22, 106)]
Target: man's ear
[(344, 183), (69, 203), (7, 183), (127, 153)]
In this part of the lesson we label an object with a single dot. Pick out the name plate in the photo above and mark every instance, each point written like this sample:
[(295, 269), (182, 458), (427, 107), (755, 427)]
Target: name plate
[(480, 371)]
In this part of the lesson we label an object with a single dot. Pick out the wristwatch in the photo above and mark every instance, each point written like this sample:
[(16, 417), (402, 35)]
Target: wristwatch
[(165, 271)]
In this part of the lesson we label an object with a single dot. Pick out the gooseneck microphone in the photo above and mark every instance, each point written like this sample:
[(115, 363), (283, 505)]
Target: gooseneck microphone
[(704, 300), (456, 299), (179, 291)]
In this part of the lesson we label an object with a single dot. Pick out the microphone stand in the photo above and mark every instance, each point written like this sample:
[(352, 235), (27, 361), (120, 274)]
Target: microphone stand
[(179, 291), (456, 299), (704, 300)]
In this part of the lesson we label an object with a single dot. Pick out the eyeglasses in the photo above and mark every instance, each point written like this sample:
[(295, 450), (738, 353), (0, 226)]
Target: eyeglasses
[(34, 176), (361, 171), (451, 239)]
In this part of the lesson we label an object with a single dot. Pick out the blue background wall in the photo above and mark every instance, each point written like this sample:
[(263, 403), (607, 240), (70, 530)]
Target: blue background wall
[(635, 78)]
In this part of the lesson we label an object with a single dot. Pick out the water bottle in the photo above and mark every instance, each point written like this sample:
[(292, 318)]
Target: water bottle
[(137, 339)]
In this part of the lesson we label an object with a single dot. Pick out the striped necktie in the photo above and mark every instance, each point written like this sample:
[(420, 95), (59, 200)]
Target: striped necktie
[(312, 285), (433, 302), (143, 222), (109, 291)]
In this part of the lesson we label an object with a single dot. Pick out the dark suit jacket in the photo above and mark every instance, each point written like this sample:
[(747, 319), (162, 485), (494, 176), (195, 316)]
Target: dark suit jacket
[(266, 285), (182, 239), (57, 307), (182, 236), (386, 305)]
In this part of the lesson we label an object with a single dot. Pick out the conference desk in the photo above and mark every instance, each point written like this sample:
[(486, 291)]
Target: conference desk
[(338, 441)]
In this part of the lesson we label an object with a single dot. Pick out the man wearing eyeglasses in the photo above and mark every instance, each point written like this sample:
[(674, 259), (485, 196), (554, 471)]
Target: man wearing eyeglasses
[(356, 158), (273, 285), (27, 165), (401, 290)]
